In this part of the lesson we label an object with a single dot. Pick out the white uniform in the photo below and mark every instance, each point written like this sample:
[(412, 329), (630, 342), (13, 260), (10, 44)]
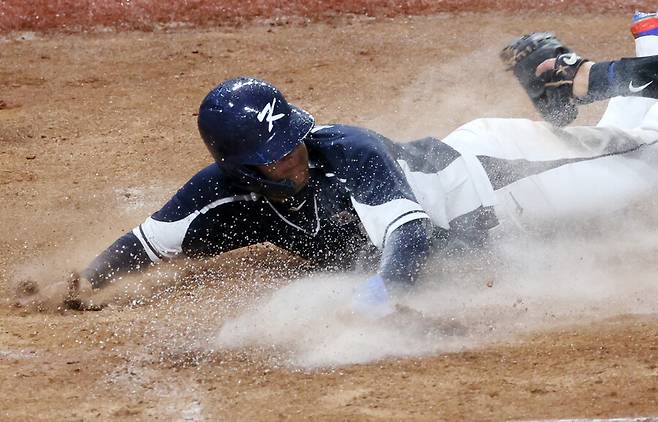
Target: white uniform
[(612, 165)]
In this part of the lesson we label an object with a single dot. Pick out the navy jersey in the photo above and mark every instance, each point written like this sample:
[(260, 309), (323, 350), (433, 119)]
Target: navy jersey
[(207, 216), (393, 183), (362, 188)]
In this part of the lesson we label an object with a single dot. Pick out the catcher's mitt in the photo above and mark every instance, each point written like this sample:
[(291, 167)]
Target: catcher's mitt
[(548, 91)]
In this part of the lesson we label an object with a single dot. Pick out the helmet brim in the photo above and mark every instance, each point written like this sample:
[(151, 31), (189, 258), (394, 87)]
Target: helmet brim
[(282, 142)]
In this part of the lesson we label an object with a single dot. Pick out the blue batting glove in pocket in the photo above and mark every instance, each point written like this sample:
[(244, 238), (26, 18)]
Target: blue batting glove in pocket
[(371, 298)]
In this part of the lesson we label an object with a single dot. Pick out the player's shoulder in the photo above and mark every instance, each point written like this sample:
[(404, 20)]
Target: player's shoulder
[(344, 133), (208, 188), (347, 142), (209, 182)]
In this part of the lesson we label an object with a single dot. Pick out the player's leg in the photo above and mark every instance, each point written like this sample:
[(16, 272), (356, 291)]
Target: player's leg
[(629, 112), (540, 174)]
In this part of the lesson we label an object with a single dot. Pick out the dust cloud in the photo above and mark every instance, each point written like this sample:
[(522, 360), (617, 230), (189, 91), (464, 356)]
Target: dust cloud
[(548, 279), (446, 94), (538, 281)]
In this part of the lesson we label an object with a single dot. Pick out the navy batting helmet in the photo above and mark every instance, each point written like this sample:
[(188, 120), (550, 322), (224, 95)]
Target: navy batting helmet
[(247, 122)]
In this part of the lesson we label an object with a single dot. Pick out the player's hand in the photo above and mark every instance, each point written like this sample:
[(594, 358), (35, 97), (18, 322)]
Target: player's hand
[(78, 294), (74, 293), (580, 80), (558, 87), (525, 56), (371, 299)]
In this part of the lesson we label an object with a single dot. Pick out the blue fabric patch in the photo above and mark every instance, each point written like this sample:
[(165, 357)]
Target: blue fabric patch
[(611, 74), (653, 31)]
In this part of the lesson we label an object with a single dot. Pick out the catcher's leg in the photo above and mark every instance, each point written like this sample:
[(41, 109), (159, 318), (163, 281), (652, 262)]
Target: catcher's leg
[(539, 174)]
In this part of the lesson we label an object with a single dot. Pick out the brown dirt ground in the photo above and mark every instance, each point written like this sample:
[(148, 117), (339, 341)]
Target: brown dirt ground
[(97, 129), (76, 15)]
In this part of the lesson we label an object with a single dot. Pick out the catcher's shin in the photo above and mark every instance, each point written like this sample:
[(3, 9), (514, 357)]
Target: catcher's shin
[(522, 56)]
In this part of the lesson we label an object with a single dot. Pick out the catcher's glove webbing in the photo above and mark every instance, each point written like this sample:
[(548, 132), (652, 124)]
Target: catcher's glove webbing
[(549, 92)]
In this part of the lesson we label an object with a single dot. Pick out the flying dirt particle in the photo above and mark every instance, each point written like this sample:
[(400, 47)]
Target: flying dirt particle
[(30, 157), (490, 283), (3, 105)]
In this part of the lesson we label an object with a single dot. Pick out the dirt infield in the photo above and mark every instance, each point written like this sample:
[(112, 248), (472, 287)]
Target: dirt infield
[(98, 129), (68, 15)]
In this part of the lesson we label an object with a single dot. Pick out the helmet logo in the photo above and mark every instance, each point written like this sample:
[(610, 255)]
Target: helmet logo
[(266, 113)]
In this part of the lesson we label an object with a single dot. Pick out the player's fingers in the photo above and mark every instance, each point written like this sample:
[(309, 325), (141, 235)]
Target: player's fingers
[(72, 297), (73, 286), (76, 297), (545, 66)]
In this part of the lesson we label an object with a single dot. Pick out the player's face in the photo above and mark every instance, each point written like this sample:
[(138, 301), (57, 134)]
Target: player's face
[(293, 167)]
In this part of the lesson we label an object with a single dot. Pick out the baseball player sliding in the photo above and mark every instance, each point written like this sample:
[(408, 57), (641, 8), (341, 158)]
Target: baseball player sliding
[(326, 192)]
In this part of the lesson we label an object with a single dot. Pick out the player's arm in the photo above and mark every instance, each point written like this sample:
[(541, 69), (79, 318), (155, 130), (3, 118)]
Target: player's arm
[(391, 216), (405, 253), (637, 76), (402, 260), (628, 77), (557, 80), (388, 209), (201, 219), (126, 255)]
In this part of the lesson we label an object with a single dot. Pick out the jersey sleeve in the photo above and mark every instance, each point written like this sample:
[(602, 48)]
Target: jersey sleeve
[(379, 191), (636, 76), (202, 218)]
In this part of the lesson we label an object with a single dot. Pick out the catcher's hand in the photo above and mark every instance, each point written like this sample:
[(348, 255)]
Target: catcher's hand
[(550, 92), (559, 80)]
